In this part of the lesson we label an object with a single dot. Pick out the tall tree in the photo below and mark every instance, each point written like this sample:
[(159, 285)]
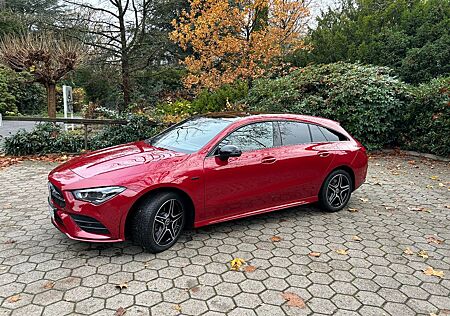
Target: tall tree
[(240, 39), (46, 57), (117, 30)]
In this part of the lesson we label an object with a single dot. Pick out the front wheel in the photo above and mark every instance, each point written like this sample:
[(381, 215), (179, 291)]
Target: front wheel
[(158, 221), (336, 191)]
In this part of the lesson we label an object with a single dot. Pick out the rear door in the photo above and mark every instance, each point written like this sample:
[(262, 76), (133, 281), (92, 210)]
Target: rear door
[(301, 160)]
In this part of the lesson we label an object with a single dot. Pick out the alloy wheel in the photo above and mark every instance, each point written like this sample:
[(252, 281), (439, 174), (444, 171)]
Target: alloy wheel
[(338, 190), (168, 222)]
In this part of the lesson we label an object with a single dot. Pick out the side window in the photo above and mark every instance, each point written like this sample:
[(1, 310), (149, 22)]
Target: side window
[(294, 133), (331, 135), (251, 137), (322, 134), (317, 134)]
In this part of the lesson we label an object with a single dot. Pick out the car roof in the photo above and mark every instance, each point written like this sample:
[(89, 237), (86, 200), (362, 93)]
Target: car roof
[(256, 116)]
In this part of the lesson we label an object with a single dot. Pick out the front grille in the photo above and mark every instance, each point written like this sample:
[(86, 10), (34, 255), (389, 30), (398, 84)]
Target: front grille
[(89, 224), (56, 195)]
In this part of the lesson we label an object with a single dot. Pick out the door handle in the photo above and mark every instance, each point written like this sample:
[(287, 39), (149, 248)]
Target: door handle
[(268, 160), (324, 154)]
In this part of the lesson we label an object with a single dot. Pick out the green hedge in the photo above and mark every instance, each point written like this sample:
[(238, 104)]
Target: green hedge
[(366, 100), (428, 119)]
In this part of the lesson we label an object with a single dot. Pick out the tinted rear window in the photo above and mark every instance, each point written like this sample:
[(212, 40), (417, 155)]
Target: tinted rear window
[(321, 134), (294, 133)]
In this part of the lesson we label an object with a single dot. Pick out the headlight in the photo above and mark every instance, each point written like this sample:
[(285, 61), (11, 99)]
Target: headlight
[(97, 195)]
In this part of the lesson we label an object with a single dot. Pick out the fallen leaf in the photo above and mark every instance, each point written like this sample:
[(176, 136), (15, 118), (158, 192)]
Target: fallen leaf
[(49, 285), (420, 209), (434, 240), (276, 238), (314, 254), (352, 210), (250, 269), (194, 289), (177, 307), (293, 300), (10, 241), (395, 173), (429, 186), (423, 254), (431, 272), (364, 200), (412, 162), (408, 251), (123, 285), (120, 311), (441, 185), (236, 264), (356, 238), (434, 177), (342, 252), (14, 298)]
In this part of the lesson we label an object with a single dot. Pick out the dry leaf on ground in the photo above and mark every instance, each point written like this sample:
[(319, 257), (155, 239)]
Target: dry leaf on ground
[(49, 285), (250, 269), (423, 254), (120, 311), (352, 210), (431, 272), (342, 252), (434, 240), (236, 263), (434, 177), (195, 289), (314, 254), (293, 300), (177, 307), (123, 285), (276, 238), (356, 238), (14, 298), (364, 200), (420, 209), (408, 251)]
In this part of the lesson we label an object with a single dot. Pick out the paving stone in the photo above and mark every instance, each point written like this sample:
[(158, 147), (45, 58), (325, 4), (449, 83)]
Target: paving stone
[(375, 278)]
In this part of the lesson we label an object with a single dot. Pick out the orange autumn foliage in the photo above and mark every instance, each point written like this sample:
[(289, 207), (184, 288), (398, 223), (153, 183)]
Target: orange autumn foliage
[(240, 39)]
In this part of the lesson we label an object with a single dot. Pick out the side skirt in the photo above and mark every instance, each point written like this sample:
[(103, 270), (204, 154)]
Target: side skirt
[(308, 200)]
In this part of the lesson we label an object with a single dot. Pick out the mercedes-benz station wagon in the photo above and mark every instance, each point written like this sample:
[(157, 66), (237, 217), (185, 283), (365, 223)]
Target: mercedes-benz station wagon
[(205, 170)]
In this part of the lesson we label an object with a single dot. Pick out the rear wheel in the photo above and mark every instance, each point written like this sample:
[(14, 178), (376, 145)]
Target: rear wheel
[(336, 191), (158, 221)]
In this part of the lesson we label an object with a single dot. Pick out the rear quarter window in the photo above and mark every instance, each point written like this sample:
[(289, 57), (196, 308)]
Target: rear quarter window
[(323, 134)]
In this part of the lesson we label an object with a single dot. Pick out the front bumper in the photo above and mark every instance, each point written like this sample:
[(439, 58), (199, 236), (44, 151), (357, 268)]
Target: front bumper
[(65, 223), (88, 222)]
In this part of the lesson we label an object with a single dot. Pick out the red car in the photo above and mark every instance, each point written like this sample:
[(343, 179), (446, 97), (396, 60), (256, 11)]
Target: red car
[(205, 170)]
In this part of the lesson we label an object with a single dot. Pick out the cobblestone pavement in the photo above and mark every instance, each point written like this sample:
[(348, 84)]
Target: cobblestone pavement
[(404, 205)]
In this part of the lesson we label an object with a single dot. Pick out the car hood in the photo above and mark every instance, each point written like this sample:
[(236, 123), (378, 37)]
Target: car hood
[(116, 158)]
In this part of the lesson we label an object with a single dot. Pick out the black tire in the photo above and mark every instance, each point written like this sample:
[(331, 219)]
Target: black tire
[(334, 195), (150, 221)]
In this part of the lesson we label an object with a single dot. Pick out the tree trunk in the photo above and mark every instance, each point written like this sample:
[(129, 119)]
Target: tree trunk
[(51, 100), (125, 83)]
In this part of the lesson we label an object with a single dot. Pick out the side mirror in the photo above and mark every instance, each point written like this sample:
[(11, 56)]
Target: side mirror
[(228, 151)]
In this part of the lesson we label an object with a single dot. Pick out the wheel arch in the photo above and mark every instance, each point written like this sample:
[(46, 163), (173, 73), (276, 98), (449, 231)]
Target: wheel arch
[(152, 192), (341, 167)]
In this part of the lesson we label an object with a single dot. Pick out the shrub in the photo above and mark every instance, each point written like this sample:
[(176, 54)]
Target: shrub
[(218, 100), (45, 138), (51, 138), (428, 118), (139, 127), (366, 100), (7, 99)]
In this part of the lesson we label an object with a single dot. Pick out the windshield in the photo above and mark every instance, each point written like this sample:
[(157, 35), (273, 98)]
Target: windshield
[(191, 135)]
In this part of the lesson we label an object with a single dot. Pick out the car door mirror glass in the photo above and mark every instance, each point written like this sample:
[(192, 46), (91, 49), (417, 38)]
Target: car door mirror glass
[(228, 151)]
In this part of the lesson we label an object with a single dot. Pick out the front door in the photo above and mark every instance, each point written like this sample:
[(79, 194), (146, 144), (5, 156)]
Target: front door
[(242, 184)]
